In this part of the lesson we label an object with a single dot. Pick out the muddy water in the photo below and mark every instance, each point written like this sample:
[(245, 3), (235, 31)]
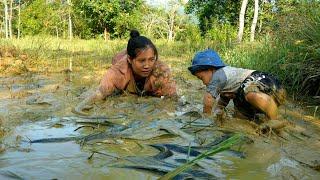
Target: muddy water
[(39, 106)]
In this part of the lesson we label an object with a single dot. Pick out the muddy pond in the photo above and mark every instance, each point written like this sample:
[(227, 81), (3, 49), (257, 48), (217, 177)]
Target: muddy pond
[(130, 137)]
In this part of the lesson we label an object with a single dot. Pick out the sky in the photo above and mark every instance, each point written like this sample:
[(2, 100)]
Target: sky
[(159, 2), (163, 3)]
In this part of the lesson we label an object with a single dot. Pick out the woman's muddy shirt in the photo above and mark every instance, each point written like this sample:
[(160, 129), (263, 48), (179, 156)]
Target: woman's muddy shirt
[(120, 78), (227, 80)]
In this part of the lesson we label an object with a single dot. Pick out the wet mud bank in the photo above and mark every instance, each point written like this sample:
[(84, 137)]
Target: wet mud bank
[(140, 137)]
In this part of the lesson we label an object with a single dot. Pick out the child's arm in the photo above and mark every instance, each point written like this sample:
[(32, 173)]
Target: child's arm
[(222, 102), (208, 101)]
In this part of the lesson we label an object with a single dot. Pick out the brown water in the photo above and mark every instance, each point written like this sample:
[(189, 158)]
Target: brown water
[(39, 106)]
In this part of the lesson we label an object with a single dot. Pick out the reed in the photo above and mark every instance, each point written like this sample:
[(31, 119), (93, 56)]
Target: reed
[(227, 144)]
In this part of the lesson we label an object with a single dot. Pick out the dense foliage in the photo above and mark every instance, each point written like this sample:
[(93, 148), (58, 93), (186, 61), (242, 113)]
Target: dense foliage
[(92, 19), (212, 11), (116, 17)]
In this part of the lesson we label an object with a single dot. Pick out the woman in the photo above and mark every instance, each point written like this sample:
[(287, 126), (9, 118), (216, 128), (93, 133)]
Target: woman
[(135, 70)]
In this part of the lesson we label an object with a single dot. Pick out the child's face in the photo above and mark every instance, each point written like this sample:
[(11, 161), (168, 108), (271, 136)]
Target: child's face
[(205, 76), (199, 74)]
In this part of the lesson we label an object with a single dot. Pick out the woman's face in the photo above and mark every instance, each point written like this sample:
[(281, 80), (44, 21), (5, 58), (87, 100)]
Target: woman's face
[(143, 64)]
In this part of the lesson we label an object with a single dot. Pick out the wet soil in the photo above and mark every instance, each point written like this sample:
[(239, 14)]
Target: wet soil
[(37, 106)]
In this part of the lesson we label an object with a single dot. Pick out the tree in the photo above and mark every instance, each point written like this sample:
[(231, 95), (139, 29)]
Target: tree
[(211, 11), (241, 19), (174, 19), (69, 20), (39, 16), (10, 19), (6, 18), (171, 19), (117, 17), (52, 17), (255, 19), (165, 22), (19, 18), (154, 22)]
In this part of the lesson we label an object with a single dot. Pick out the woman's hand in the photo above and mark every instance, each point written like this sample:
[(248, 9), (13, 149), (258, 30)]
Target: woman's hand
[(87, 103), (80, 109)]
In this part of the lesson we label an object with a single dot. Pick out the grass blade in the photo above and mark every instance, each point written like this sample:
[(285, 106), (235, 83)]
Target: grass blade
[(216, 149)]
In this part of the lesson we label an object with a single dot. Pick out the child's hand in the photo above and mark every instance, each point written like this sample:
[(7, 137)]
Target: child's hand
[(219, 115), (218, 112), (272, 125)]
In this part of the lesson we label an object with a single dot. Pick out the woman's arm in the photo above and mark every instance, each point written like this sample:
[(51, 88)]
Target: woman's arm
[(107, 87), (88, 102), (162, 82)]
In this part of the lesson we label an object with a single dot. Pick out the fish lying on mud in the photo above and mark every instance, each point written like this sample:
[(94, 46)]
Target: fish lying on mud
[(137, 130), (172, 156)]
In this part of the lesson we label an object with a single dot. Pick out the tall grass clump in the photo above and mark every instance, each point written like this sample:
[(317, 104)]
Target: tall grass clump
[(292, 53), (265, 55), (299, 33), (223, 35)]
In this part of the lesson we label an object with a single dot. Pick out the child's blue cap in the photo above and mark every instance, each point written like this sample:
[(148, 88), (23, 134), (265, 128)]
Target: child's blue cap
[(205, 60)]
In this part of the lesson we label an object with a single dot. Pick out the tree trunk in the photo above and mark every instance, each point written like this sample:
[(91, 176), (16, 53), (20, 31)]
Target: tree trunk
[(172, 18), (241, 19), (170, 33), (255, 19), (2, 26), (70, 21), (10, 20), (171, 25), (106, 34), (6, 18), (57, 32), (19, 20)]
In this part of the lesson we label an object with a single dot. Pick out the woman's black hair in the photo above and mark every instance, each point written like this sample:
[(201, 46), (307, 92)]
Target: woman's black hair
[(138, 43)]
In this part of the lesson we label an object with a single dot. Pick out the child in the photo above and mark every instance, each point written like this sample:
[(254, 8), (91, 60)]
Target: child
[(252, 91)]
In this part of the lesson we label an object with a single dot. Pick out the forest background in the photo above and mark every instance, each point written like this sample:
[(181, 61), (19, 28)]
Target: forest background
[(278, 36)]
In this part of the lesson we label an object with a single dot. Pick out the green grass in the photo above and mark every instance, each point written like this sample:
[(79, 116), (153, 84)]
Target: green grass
[(227, 144)]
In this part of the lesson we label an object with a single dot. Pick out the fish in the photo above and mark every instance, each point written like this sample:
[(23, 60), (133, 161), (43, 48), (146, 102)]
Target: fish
[(177, 148), (136, 130), (164, 152), (160, 167), (55, 140)]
